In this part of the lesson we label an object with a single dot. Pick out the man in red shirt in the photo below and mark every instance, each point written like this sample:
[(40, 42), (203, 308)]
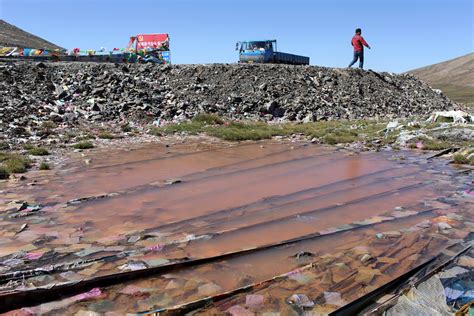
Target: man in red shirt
[(358, 42)]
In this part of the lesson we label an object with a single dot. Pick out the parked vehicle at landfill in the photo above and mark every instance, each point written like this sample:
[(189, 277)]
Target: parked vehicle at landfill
[(151, 48), (265, 51), (143, 48)]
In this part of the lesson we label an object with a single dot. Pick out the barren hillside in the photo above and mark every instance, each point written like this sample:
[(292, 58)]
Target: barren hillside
[(455, 77), (11, 35)]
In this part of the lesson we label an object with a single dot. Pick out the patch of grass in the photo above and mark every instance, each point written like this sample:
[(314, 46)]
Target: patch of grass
[(429, 144), (460, 159), (333, 139), (208, 119), (243, 131), (83, 145), (4, 146), (85, 137), (38, 151), (15, 163), (49, 125), (44, 166), (4, 174), (330, 132), (195, 126), (192, 128), (106, 135), (126, 128), (28, 146), (47, 128)]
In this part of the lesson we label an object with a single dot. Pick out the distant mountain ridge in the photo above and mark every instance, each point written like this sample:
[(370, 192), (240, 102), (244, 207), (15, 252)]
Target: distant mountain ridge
[(12, 36), (454, 77)]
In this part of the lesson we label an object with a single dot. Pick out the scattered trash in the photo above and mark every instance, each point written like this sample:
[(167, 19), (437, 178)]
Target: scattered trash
[(451, 273), (468, 194), (452, 294), (22, 228), (132, 290), (238, 310), (303, 255), (173, 181), (300, 300), (133, 266), (159, 247), (302, 278), (94, 293), (365, 258), (254, 300), (466, 261), (444, 226), (133, 239), (334, 298), (391, 126), (33, 255), (209, 289), (455, 116)]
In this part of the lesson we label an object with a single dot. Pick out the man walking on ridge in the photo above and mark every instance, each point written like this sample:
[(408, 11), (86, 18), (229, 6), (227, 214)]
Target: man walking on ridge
[(358, 42)]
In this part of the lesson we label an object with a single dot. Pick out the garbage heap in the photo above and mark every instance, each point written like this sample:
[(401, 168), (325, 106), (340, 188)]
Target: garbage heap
[(83, 92)]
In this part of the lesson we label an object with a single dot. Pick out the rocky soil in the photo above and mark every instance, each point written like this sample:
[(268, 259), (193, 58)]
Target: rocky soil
[(31, 93)]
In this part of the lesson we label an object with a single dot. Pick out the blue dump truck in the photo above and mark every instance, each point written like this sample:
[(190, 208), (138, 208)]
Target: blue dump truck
[(266, 52)]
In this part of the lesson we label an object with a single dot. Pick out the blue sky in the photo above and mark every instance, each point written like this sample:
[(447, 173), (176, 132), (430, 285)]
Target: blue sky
[(404, 34)]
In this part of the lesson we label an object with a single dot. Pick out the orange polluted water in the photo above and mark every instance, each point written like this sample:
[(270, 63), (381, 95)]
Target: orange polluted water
[(159, 204)]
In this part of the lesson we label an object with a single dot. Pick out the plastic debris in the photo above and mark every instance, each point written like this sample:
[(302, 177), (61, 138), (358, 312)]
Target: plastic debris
[(444, 226), (334, 298), (452, 294), (209, 289), (466, 261), (456, 116), (33, 255), (132, 290), (303, 255), (254, 300), (133, 266), (155, 247), (302, 278), (22, 228), (238, 310), (300, 300), (94, 293), (451, 273)]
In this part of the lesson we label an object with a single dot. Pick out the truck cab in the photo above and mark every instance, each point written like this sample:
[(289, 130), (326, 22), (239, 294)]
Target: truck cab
[(256, 51)]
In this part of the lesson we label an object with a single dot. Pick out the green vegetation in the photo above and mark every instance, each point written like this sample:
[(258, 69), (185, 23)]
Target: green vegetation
[(106, 135), (329, 132), (49, 125), (429, 144), (47, 128), (4, 173), (126, 128), (4, 146), (28, 146), (208, 119), (460, 159), (38, 151), (14, 163), (83, 145), (197, 125), (44, 166)]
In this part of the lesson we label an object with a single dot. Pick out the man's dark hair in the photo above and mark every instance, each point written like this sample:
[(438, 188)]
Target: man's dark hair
[(358, 31)]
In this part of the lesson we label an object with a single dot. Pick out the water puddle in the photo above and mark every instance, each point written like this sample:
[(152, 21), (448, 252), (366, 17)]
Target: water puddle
[(163, 226)]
